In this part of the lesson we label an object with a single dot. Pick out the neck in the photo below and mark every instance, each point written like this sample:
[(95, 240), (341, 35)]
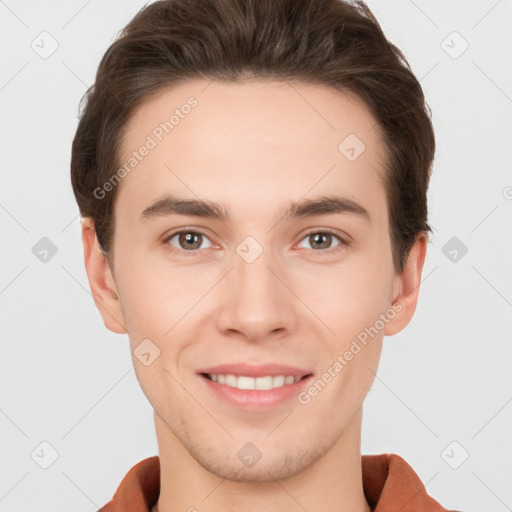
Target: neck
[(331, 483)]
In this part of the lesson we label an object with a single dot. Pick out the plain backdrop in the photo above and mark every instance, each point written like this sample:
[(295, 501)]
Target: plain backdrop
[(69, 399)]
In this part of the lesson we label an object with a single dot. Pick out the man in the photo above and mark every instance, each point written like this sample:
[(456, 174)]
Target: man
[(252, 177)]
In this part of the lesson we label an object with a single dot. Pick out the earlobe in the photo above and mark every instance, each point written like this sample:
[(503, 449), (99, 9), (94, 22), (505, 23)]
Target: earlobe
[(101, 280), (409, 286)]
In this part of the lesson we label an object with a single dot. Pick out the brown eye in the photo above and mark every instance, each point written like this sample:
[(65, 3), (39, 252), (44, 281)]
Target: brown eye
[(187, 240), (322, 241)]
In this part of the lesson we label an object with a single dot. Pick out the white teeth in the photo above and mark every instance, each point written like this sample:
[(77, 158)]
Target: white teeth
[(259, 383), (242, 382), (264, 383), (278, 380), (230, 381)]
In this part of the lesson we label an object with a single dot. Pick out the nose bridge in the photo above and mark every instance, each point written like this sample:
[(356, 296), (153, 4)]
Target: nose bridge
[(252, 274), (258, 304), (253, 262)]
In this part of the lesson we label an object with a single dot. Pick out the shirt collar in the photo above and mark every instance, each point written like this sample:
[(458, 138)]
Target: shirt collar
[(389, 483)]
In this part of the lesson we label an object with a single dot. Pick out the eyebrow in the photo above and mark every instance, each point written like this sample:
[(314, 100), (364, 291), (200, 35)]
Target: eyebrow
[(323, 205)]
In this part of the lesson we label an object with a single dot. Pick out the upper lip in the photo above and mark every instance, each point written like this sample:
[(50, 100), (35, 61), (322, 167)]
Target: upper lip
[(261, 370)]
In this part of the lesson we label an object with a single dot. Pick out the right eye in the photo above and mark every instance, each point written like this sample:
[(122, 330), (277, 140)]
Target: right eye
[(186, 240)]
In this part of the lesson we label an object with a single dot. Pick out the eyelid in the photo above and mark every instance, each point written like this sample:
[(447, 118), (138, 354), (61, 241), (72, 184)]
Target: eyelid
[(342, 237)]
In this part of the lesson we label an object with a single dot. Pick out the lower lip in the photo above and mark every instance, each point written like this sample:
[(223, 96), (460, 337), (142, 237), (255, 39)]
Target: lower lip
[(255, 399)]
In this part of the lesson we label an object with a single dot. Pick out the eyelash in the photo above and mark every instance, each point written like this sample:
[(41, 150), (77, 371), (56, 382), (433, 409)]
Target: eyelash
[(343, 243)]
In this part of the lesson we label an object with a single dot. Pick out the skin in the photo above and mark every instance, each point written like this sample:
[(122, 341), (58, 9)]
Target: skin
[(254, 147)]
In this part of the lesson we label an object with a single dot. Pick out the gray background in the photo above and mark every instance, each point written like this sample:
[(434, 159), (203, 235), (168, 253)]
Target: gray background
[(69, 382)]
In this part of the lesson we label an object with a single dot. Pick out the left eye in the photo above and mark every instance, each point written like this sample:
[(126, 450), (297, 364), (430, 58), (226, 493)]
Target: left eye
[(323, 239)]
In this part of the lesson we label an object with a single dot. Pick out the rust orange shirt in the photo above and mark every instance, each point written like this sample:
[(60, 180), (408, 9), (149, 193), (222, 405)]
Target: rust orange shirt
[(389, 483)]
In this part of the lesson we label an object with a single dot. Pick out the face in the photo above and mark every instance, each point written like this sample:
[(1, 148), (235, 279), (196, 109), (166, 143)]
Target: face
[(254, 286)]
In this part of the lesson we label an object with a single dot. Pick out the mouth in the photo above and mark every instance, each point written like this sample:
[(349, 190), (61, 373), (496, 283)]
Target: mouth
[(247, 382), (255, 393)]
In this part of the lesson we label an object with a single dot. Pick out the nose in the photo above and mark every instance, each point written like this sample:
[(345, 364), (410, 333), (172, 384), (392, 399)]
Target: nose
[(257, 302)]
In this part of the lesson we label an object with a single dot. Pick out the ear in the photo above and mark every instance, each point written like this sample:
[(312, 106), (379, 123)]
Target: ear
[(101, 280), (409, 282)]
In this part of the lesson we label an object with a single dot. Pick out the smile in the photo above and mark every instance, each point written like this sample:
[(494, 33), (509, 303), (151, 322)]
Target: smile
[(257, 383)]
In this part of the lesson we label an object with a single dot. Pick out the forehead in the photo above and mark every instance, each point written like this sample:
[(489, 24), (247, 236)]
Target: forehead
[(251, 145)]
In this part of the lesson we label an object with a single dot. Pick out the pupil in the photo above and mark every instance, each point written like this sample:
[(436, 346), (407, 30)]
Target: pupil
[(318, 238), (190, 238)]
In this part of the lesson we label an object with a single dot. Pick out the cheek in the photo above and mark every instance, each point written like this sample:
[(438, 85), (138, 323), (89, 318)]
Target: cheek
[(156, 296), (348, 298)]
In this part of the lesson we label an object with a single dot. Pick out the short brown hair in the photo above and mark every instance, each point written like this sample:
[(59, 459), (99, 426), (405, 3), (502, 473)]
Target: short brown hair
[(326, 42)]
